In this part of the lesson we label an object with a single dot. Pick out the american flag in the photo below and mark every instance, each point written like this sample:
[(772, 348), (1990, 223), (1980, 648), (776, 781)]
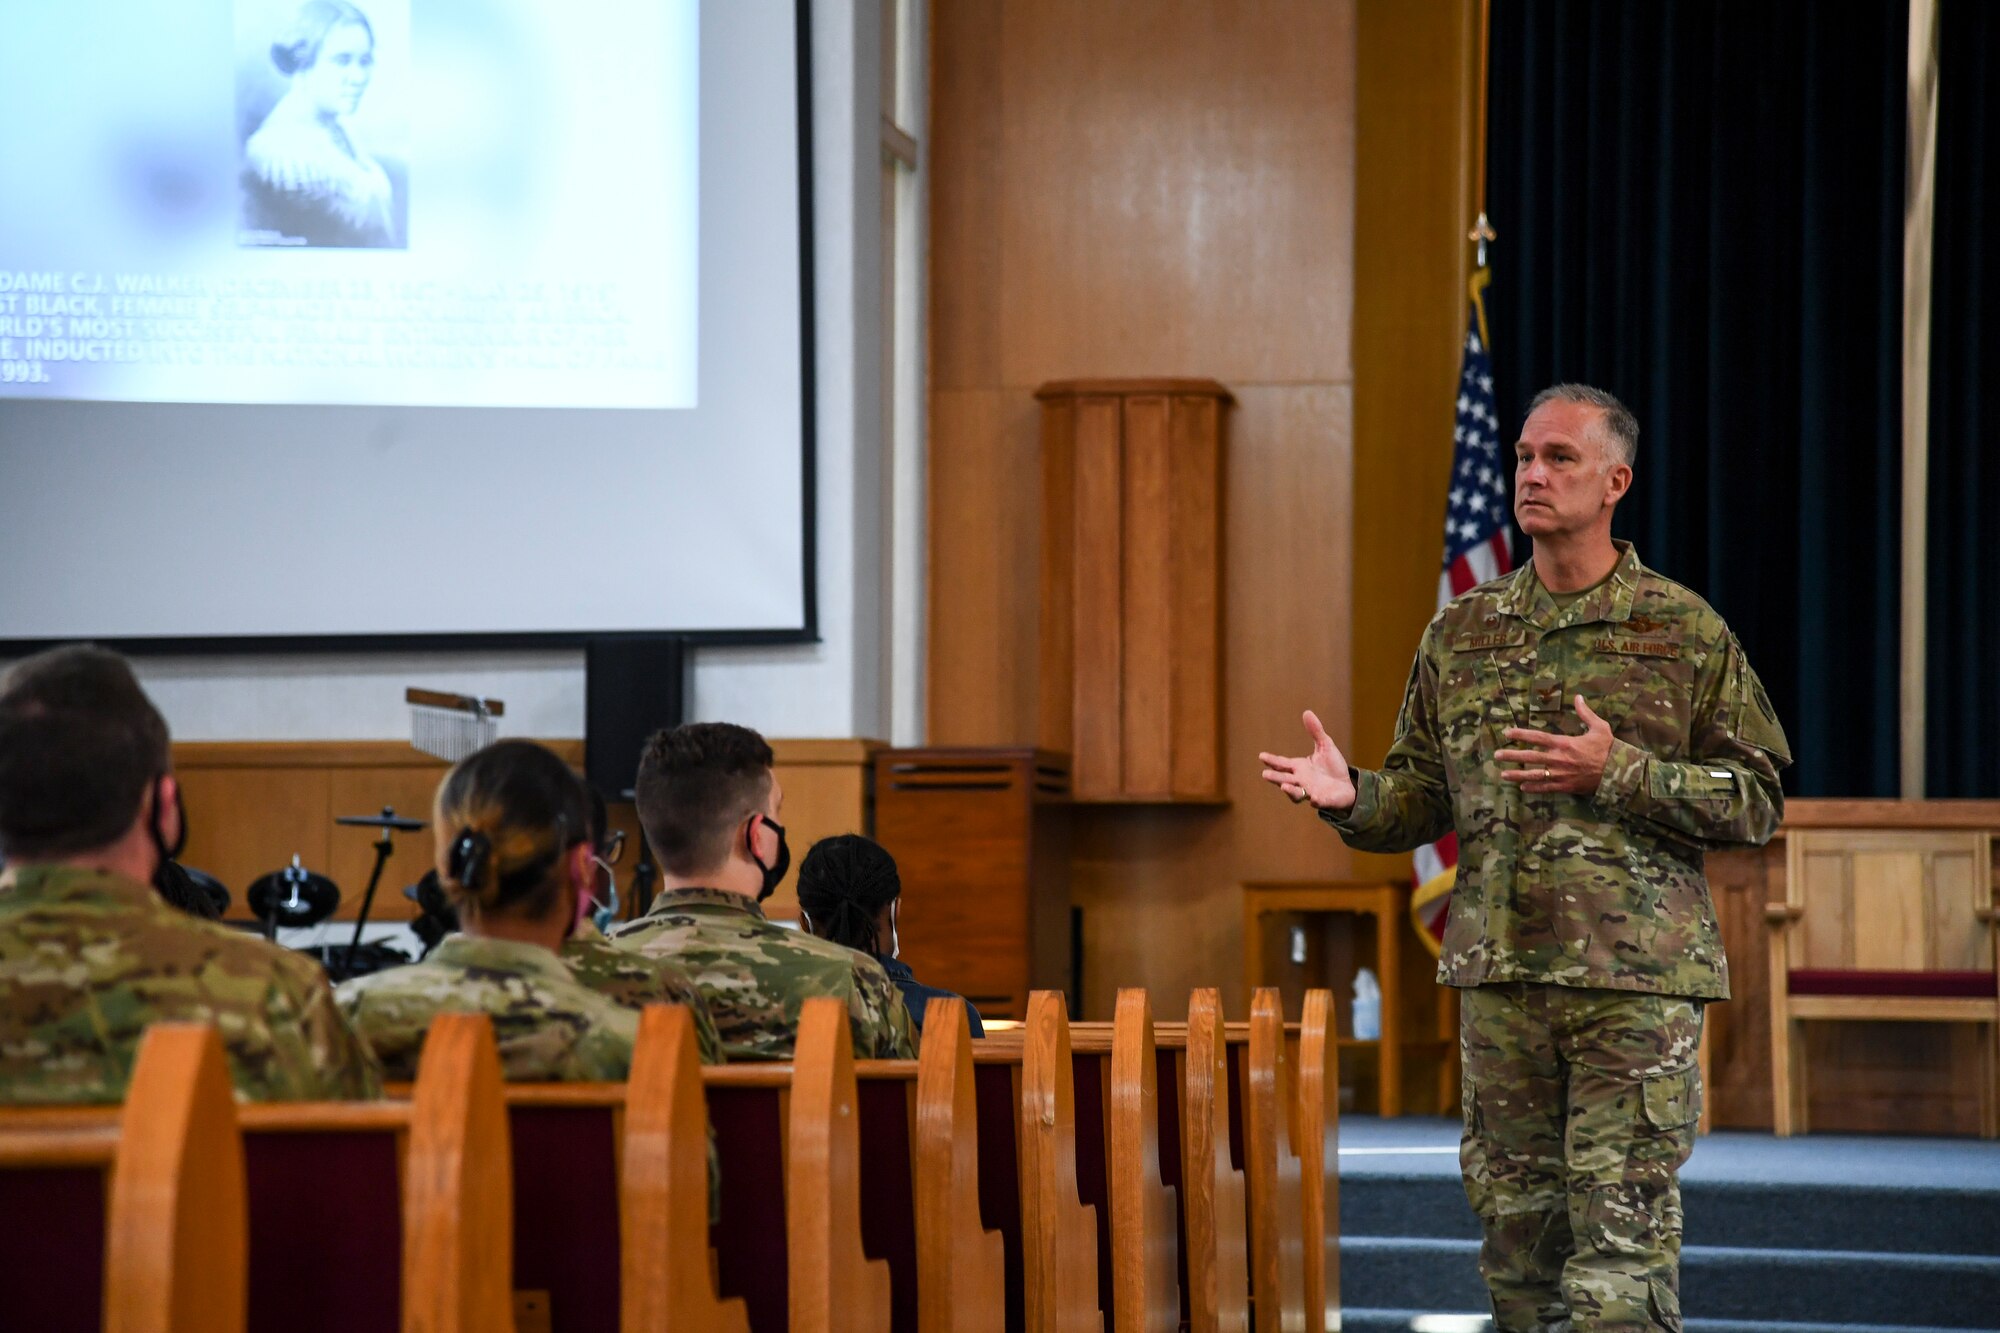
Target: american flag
[(1478, 546)]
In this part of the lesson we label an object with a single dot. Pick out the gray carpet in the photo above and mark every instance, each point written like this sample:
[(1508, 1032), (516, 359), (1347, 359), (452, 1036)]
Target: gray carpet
[(1783, 1235)]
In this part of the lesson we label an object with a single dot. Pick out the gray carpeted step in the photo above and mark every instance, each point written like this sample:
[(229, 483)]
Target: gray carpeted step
[(1354, 1320), (1738, 1214), (1813, 1286)]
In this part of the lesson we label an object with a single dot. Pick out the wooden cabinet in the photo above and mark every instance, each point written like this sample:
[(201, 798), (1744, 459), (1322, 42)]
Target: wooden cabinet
[(1131, 575), (981, 840)]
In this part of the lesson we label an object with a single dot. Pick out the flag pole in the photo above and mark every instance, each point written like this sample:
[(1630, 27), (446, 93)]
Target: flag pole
[(1482, 230)]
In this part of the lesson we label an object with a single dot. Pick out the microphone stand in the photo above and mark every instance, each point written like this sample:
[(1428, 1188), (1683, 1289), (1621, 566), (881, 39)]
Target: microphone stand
[(383, 846)]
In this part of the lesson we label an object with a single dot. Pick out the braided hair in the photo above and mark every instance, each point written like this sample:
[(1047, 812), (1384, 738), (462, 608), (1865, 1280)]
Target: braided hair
[(505, 817), (845, 883)]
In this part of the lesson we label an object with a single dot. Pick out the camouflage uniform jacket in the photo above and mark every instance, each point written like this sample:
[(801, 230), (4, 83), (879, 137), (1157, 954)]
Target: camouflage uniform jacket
[(635, 980), (550, 1027), (1599, 891), (88, 959), (756, 974)]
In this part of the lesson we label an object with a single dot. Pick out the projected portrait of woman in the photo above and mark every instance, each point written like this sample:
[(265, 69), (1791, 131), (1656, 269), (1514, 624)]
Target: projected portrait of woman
[(308, 178)]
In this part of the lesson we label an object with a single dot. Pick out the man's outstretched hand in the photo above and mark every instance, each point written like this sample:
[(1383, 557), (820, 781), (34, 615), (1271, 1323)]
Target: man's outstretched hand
[(1320, 777)]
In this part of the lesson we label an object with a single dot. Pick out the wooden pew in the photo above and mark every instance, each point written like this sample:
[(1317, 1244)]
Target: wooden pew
[(835, 1286), (161, 1248), (372, 1216), (748, 1106), (1145, 1240), (1220, 1095), (565, 1142), (663, 1188), (1058, 1231), (1277, 1202), (611, 1194), (1317, 1143), (1215, 1222), (961, 1266), (789, 1239)]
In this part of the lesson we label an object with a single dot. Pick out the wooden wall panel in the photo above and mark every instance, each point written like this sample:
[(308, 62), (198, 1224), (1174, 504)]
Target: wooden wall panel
[(1176, 187), (984, 535), (1197, 586), (1146, 698), (829, 788), (1414, 201), (1056, 625), (1146, 188), (965, 192), (252, 806), (1098, 549)]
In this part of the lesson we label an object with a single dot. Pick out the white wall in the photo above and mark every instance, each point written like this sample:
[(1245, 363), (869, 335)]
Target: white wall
[(832, 688)]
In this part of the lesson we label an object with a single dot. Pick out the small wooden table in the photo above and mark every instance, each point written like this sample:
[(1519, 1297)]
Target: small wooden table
[(1389, 904)]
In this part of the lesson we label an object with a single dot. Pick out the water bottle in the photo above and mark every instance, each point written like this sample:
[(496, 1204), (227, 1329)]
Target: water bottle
[(1367, 1006)]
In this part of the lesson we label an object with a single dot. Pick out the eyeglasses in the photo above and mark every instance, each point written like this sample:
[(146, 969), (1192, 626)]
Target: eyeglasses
[(613, 848)]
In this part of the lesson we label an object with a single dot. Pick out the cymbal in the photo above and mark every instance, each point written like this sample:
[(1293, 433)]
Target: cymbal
[(293, 896), (217, 891), (399, 822)]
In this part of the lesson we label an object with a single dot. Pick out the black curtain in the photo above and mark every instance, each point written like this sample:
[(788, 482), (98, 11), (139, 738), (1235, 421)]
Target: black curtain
[(1962, 590), (1700, 209)]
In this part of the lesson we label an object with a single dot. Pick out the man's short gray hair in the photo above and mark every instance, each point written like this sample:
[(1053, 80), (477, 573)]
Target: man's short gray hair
[(1621, 428)]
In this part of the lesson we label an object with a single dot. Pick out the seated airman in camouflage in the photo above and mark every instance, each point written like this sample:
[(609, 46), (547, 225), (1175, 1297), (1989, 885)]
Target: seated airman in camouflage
[(633, 979), (514, 856), (90, 954), (709, 804)]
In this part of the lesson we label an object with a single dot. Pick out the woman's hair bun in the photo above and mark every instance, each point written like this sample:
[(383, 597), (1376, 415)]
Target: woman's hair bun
[(298, 45), (471, 853)]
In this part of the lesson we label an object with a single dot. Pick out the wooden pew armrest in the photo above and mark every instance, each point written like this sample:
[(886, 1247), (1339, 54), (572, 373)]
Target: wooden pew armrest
[(1780, 913)]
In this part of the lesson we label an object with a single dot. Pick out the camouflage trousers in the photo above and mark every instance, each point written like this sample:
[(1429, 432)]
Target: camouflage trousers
[(1580, 1106)]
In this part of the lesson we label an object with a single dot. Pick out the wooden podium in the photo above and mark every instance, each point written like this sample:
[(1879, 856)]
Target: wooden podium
[(981, 839)]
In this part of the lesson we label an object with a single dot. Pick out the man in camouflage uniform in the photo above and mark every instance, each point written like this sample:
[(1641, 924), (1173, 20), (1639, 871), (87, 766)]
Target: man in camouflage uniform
[(709, 804), (634, 980), (89, 952), (1587, 728)]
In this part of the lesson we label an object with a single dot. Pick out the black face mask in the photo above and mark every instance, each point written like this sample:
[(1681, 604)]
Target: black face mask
[(774, 874), (156, 823)]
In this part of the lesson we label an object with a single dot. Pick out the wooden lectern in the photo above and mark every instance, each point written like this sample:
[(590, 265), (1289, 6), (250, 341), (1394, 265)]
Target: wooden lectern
[(981, 839)]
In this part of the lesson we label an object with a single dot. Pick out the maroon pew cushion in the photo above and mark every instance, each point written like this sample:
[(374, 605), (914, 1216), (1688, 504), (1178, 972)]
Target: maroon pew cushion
[(999, 1177), (52, 1236), (749, 1238), (889, 1192), (566, 1213), (1915, 985), (1093, 1159), (326, 1233), (1169, 1077)]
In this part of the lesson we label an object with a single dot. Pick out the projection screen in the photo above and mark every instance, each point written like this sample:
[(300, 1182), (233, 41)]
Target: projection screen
[(404, 322)]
